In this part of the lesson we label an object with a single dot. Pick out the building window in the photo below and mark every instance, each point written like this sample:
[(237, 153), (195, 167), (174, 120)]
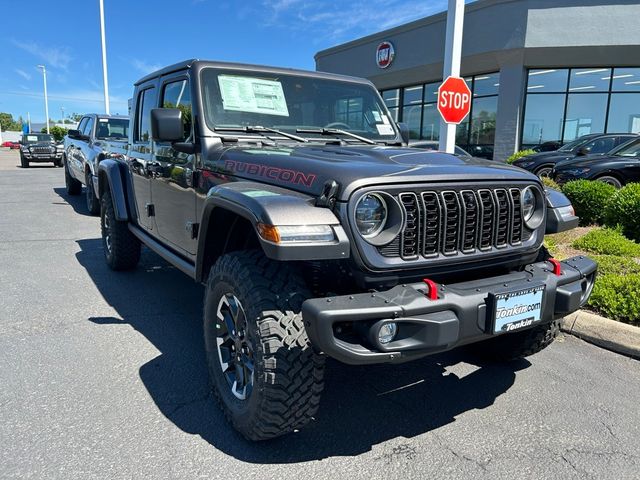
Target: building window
[(416, 105), (564, 104)]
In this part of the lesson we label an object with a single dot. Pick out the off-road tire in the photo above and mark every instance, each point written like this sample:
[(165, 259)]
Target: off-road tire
[(121, 247), (24, 163), (58, 163), (512, 346), (288, 374), (93, 204), (73, 186)]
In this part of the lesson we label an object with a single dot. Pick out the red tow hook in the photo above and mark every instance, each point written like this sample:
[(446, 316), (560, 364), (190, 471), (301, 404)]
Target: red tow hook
[(432, 292), (557, 267)]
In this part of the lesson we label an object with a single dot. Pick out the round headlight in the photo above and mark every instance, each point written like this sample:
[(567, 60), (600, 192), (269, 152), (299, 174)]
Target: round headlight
[(371, 215), (528, 204)]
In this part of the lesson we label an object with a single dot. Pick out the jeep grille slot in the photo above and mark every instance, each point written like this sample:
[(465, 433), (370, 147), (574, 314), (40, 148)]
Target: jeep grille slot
[(502, 228), (432, 218), (410, 236), (448, 222)]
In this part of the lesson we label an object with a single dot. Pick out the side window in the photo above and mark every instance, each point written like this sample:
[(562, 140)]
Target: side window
[(621, 140), (82, 124), (146, 102), (88, 127), (602, 145), (178, 95)]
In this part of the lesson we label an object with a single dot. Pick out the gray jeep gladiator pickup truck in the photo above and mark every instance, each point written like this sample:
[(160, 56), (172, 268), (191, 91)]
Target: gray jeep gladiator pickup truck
[(85, 147), (292, 196)]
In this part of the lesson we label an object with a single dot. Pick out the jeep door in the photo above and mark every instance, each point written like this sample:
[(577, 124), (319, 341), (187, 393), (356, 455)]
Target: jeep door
[(172, 185), (140, 158), (74, 151), (83, 149)]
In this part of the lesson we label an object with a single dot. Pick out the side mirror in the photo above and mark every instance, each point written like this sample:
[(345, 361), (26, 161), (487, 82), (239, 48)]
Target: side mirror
[(404, 132), (584, 151), (166, 125), (73, 133)]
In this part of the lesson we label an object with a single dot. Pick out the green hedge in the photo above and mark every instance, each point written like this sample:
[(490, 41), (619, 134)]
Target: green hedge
[(607, 241), (518, 155), (589, 199), (612, 264), (617, 297), (623, 210), (547, 182)]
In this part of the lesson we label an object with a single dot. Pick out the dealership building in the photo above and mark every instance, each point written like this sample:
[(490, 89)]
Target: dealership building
[(539, 70)]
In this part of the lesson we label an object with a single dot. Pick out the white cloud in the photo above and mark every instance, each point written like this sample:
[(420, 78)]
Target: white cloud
[(143, 66), (353, 19), (58, 57), (23, 74)]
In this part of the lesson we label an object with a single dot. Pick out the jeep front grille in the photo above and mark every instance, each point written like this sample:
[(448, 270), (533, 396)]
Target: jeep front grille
[(445, 223), (41, 150)]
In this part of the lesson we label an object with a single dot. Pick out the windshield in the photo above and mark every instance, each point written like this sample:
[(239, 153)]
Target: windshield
[(37, 137), (573, 145), (112, 128), (289, 102), (629, 149)]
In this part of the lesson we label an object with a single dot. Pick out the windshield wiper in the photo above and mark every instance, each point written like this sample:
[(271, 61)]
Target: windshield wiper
[(260, 129), (335, 131)]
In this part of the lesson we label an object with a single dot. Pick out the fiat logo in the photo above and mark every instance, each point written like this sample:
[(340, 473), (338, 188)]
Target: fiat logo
[(385, 54)]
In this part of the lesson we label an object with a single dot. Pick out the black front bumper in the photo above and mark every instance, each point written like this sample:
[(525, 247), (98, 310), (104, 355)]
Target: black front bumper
[(461, 314)]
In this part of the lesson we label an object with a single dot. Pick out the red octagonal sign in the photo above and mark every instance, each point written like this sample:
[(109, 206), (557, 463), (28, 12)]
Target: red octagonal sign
[(454, 100)]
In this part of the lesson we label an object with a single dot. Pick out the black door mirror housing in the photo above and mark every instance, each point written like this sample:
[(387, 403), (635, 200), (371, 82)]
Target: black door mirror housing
[(584, 151), (73, 133), (404, 132), (167, 125)]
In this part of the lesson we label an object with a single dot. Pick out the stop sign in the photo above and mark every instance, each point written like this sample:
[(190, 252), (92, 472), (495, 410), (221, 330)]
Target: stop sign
[(454, 100)]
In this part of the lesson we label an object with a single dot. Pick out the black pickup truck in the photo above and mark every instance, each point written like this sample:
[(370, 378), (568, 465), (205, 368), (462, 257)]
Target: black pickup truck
[(292, 196)]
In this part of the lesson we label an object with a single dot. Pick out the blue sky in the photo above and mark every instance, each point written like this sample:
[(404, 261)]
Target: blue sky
[(145, 35)]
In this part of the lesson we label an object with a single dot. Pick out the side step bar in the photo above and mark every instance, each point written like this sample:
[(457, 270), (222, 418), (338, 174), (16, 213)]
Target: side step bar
[(183, 265)]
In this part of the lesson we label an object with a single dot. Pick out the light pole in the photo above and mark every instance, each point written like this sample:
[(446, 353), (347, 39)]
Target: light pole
[(62, 109), (104, 59), (46, 99)]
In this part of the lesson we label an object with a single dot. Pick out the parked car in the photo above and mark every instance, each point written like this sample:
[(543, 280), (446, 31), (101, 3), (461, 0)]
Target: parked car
[(618, 167), (550, 146), (85, 147), (542, 163), (39, 147), (11, 145), (435, 145), (320, 234), (481, 151)]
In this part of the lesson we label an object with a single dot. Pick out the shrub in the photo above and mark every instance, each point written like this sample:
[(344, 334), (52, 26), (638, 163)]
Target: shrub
[(547, 182), (617, 297), (520, 154), (589, 199), (612, 264), (607, 241), (624, 210)]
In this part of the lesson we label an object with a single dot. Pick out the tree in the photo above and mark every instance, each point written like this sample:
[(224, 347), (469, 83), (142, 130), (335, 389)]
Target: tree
[(75, 117), (7, 123), (57, 132)]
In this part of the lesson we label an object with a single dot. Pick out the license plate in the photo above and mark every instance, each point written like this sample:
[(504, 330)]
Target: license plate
[(516, 310)]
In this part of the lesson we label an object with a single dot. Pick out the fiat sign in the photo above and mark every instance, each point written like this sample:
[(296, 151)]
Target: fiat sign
[(454, 100), (384, 54)]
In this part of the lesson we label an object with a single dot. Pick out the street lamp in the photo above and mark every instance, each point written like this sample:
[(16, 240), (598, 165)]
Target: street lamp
[(62, 109), (104, 59), (46, 99)]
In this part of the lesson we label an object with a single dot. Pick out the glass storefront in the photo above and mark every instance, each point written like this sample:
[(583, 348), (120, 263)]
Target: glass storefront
[(416, 106), (564, 104)]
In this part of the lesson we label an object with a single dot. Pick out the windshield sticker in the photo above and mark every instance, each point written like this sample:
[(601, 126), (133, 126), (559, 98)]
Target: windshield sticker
[(385, 119), (252, 95), (376, 116), (103, 120), (32, 138), (384, 129)]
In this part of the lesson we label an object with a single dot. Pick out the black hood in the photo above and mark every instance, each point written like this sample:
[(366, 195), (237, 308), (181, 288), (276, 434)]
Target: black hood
[(546, 157), (306, 168), (585, 160)]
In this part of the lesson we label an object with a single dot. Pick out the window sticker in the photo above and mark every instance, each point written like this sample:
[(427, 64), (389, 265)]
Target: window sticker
[(32, 138), (385, 129), (385, 119), (103, 120), (376, 116), (252, 95)]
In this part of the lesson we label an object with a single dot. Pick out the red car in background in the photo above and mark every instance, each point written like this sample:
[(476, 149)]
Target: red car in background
[(11, 145)]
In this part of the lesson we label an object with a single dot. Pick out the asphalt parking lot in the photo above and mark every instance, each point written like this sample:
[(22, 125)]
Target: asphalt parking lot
[(102, 375)]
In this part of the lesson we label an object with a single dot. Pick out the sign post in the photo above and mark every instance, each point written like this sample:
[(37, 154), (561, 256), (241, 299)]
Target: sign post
[(452, 56)]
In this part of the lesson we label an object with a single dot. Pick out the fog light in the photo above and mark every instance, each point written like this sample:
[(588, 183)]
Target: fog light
[(387, 332)]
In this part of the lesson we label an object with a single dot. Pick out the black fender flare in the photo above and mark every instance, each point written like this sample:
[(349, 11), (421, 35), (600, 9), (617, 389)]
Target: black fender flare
[(110, 176), (271, 205)]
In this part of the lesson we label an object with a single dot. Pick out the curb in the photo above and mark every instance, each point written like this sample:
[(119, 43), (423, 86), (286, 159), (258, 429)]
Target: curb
[(615, 336)]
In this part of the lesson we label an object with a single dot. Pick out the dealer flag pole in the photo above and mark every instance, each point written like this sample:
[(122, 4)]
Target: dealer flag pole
[(452, 57)]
